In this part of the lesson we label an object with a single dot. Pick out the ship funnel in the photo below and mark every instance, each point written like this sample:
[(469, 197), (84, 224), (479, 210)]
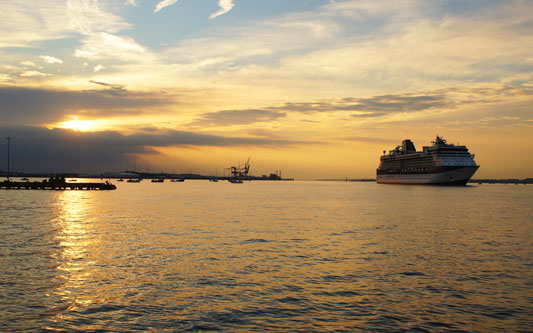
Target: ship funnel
[(408, 147)]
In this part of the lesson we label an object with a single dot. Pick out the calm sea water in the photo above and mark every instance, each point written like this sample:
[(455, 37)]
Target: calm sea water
[(267, 256)]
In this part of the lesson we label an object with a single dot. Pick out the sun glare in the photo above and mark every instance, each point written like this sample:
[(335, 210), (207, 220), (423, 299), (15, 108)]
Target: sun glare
[(78, 125)]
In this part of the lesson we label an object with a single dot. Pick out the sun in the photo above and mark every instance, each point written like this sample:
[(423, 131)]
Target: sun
[(79, 125)]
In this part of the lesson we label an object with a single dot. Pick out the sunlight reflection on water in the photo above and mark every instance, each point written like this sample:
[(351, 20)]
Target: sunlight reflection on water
[(75, 240), (310, 256)]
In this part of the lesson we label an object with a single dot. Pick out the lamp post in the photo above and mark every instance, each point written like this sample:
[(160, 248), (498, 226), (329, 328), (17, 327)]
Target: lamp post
[(8, 140)]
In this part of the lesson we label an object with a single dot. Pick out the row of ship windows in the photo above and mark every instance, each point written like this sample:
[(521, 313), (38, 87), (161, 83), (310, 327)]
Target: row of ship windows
[(410, 157), (454, 155), (426, 161), (413, 165), (405, 170)]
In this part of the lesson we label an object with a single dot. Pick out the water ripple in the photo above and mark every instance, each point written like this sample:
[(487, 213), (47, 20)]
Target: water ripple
[(304, 257)]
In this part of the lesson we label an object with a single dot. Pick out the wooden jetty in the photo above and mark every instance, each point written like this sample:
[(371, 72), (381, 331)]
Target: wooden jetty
[(55, 183)]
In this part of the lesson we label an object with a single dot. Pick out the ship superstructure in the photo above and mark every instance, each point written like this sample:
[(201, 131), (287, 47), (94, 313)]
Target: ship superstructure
[(439, 164)]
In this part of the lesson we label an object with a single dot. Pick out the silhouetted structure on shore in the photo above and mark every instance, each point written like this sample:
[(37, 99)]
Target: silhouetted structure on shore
[(55, 183)]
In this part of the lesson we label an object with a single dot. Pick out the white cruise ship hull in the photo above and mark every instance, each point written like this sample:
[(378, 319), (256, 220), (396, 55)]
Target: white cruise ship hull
[(452, 176)]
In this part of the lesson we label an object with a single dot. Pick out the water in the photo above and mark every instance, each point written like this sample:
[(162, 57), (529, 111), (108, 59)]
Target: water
[(267, 256)]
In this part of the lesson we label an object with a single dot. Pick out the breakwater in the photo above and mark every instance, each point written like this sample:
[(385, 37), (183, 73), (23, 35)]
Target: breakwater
[(55, 185)]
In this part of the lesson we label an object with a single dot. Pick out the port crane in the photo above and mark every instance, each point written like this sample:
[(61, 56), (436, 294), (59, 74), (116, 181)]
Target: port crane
[(240, 171)]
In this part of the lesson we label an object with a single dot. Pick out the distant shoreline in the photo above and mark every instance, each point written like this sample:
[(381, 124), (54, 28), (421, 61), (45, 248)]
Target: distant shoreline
[(140, 175), (143, 175)]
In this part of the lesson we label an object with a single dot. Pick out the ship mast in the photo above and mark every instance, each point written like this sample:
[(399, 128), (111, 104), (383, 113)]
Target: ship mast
[(8, 141)]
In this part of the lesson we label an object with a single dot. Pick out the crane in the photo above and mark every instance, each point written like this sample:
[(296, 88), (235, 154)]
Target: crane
[(240, 171)]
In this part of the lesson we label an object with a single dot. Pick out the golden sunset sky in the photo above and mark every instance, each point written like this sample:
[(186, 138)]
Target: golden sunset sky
[(315, 88)]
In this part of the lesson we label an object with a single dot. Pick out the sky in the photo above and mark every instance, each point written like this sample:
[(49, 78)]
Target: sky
[(315, 88)]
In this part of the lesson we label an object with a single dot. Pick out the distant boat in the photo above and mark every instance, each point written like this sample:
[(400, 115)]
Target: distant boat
[(158, 180), (134, 180), (24, 178), (213, 180), (179, 180), (72, 180), (235, 181), (120, 180)]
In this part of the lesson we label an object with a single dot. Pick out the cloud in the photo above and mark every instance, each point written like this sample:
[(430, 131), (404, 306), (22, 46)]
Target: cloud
[(238, 117), (95, 24), (100, 30), (368, 139), (24, 22), (98, 68), (55, 19), (50, 59), (103, 45), (111, 89), (163, 4), (375, 106), (32, 106), (225, 6), (37, 149), (88, 17), (33, 73), (167, 138), (367, 46), (254, 45), (28, 64), (386, 104)]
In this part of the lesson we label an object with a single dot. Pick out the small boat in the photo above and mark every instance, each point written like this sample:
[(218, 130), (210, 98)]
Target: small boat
[(120, 180), (235, 181), (134, 180), (158, 180), (25, 179), (72, 180), (213, 180)]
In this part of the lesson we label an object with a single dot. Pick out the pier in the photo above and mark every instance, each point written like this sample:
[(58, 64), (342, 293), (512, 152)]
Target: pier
[(55, 183)]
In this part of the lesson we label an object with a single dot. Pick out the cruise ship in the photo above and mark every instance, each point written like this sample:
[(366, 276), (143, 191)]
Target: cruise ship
[(439, 164)]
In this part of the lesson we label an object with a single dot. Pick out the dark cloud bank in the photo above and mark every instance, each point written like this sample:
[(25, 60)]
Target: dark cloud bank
[(23, 106), (37, 149)]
